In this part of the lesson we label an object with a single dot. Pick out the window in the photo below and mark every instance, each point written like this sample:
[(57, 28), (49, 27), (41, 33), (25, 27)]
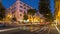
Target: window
[(20, 2), (20, 10), (20, 6), (24, 7), (24, 4), (24, 12), (28, 6), (20, 14), (13, 12), (14, 7)]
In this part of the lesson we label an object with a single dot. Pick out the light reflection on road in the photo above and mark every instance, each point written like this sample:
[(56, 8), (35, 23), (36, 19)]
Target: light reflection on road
[(30, 28)]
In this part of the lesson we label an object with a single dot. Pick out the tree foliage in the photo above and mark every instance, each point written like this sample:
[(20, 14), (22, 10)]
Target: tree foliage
[(25, 17), (44, 9), (31, 11), (2, 11)]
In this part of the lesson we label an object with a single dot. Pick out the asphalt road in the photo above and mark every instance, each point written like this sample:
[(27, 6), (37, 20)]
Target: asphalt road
[(48, 30), (44, 30), (20, 30)]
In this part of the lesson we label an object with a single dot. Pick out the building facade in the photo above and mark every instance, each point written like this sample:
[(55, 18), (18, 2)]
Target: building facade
[(57, 11), (18, 9)]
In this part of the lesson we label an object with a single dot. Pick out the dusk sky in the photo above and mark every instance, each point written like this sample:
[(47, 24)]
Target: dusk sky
[(33, 3)]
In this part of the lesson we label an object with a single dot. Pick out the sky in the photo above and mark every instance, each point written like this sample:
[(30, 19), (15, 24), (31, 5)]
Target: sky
[(33, 3)]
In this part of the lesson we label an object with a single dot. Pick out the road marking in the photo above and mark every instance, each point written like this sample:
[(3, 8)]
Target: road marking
[(8, 29), (48, 31), (35, 29), (57, 28), (42, 29)]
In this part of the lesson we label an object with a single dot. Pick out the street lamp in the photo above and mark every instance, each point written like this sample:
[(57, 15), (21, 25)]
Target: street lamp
[(9, 16)]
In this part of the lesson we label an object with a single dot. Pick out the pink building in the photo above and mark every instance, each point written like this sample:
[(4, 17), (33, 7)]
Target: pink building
[(18, 9)]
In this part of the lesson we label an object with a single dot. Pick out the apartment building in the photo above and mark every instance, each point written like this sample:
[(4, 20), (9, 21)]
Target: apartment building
[(18, 9)]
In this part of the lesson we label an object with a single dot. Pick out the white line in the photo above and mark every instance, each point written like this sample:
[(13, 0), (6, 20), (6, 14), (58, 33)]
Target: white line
[(35, 30), (48, 31), (41, 29), (57, 28), (8, 29)]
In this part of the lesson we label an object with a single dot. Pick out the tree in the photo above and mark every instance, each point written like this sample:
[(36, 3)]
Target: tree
[(44, 9), (32, 13), (2, 11), (25, 17)]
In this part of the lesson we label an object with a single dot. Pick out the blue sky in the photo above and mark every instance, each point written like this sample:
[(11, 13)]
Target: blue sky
[(33, 3)]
